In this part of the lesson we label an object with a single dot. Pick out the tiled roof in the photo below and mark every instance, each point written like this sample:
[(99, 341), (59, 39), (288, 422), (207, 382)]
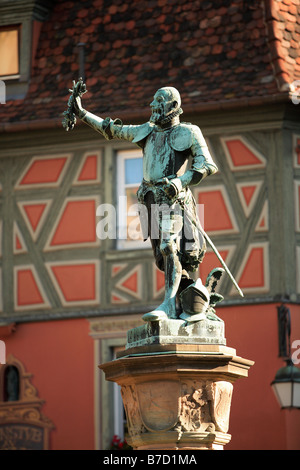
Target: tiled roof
[(283, 27), (217, 53)]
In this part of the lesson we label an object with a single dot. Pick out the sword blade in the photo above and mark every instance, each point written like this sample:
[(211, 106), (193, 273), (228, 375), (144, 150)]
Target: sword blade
[(207, 238)]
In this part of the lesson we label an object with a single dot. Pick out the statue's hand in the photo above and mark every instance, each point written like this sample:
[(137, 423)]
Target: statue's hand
[(169, 189), (74, 105), (173, 187), (78, 90)]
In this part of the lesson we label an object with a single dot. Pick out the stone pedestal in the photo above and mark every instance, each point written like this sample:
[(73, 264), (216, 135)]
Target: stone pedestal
[(177, 395), (177, 331)]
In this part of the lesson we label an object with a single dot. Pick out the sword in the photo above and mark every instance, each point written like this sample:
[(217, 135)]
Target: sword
[(207, 238)]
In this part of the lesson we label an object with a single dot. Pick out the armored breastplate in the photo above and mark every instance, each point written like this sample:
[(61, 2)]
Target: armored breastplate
[(166, 152), (159, 156)]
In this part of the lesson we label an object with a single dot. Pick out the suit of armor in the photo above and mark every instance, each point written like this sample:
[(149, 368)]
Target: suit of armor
[(169, 146), (166, 154)]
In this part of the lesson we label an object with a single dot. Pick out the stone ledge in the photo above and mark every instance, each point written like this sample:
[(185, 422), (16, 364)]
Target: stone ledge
[(178, 349), (178, 331), (174, 440), (175, 361)]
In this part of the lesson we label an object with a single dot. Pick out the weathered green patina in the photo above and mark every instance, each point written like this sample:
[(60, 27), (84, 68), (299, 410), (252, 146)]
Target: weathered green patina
[(169, 217)]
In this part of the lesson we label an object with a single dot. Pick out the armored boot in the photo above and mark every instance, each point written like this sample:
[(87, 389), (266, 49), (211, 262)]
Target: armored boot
[(167, 309)]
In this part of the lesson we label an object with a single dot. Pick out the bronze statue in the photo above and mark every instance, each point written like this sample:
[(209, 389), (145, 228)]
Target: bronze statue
[(180, 242)]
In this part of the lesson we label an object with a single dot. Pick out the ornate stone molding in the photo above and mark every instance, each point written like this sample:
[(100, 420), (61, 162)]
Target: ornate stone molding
[(22, 423), (112, 326)]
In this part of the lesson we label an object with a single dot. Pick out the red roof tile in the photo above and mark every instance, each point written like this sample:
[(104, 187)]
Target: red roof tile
[(216, 53), (283, 27)]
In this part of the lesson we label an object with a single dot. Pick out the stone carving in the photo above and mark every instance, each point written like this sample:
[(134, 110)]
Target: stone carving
[(22, 422), (220, 393), (158, 403), (167, 406), (167, 207), (205, 406), (195, 410), (132, 410), (107, 327)]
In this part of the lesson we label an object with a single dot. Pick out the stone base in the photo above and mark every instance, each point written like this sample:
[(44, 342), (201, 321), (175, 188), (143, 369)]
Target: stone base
[(177, 396), (172, 440), (179, 331)]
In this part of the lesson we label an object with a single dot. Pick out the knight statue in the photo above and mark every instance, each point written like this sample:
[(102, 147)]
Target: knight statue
[(175, 157)]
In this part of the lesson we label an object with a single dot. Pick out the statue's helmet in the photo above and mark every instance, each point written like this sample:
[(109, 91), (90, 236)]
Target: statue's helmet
[(166, 104)]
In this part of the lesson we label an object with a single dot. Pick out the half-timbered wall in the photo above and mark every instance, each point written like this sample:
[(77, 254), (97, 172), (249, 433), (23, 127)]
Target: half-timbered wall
[(56, 266), (50, 252)]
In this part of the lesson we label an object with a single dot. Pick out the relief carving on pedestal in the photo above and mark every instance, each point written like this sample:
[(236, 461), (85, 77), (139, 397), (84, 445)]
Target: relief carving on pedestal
[(190, 406), (132, 410), (220, 394), (159, 404), (195, 410), (205, 406)]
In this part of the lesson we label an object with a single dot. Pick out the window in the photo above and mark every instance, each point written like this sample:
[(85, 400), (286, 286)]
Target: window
[(9, 52), (11, 386), (20, 26), (130, 175)]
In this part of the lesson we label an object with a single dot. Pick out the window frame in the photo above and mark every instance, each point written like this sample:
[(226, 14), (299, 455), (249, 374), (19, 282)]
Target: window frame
[(7, 28), (125, 244), (17, 85), (29, 16)]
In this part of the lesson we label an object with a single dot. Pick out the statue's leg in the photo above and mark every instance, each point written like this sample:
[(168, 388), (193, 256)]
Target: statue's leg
[(173, 272)]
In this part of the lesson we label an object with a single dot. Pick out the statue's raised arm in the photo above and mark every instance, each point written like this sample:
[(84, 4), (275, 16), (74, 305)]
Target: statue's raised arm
[(107, 127)]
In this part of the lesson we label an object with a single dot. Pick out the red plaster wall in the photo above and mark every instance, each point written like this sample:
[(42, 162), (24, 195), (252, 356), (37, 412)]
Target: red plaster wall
[(59, 354)]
